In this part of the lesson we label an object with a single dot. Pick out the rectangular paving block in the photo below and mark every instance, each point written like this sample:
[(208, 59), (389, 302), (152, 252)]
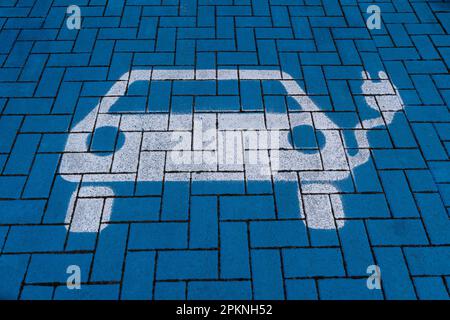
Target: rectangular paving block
[(164, 235), (395, 278), (32, 293), (9, 125), (40, 180), (187, 264), (110, 253), (347, 289), (272, 234), (170, 290), (11, 187), (88, 292), (22, 154), (431, 288), (301, 289), (267, 275), (399, 196), (47, 268), (398, 159), (138, 276), (203, 225), (234, 250), (134, 209), (312, 262), (21, 211), (361, 205), (356, 248), (39, 238), (219, 290), (12, 273), (397, 232), (428, 260), (246, 207), (435, 217)]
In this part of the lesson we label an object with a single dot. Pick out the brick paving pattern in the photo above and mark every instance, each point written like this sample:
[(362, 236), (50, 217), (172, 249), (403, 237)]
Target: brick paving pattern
[(88, 177)]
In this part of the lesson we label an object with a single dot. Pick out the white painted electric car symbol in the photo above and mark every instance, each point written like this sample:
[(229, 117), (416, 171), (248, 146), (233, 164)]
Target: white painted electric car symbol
[(142, 150)]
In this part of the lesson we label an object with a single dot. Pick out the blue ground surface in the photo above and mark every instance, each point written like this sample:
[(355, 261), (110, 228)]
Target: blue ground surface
[(381, 95)]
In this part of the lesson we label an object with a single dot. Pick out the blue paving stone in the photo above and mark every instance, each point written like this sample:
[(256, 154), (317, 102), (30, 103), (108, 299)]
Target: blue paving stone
[(13, 268), (267, 276), (401, 133), (175, 200), (170, 290), (45, 268), (284, 192), (248, 207), (431, 288), (138, 276), (191, 239), (11, 187), (37, 293), (41, 177), (421, 180), (312, 262), (59, 199), (395, 277), (301, 289), (396, 232), (401, 201), (366, 178), (34, 67), (39, 238), (187, 264), (49, 82), (347, 289), (440, 171), (399, 159), (21, 211), (135, 209), (278, 234), (110, 253), (435, 217), (204, 225), (88, 292), (22, 154), (217, 290), (234, 250), (356, 248), (218, 187), (158, 236), (428, 260), (3, 233), (67, 97), (9, 125), (365, 205)]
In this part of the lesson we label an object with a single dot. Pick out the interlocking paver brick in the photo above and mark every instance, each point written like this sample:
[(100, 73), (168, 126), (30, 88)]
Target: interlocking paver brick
[(267, 274), (428, 261), (158, 236), (396, 282), (187, 264), (94, 121), (430, 288), (48, 268), (312, 262), (348, 289), (89, 292), (219, 290), (138, 276)]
